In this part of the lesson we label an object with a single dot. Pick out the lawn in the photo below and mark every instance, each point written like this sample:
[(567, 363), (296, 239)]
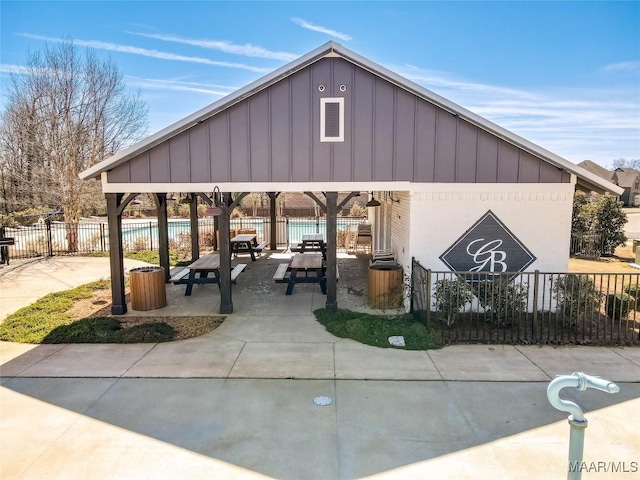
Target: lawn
[(375, 330), (81, 315)]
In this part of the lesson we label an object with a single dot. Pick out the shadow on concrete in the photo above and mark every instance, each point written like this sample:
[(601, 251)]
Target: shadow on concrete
[(273, 427)]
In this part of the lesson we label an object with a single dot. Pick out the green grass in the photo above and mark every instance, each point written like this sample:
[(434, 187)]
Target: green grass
[(376, 329), (147, 256), (47, 321)]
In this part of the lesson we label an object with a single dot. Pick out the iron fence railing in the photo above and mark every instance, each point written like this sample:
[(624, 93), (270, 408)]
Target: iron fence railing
[(528, 307), (588, 245), (59, 238)]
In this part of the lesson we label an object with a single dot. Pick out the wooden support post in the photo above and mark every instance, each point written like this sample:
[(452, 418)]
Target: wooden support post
[(273, 237), (332, 229), (163, 233), (226, 302), (118, 299), (193, 217)]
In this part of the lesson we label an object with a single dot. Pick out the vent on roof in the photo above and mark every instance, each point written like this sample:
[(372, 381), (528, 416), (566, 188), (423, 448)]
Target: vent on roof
[(332, 119)]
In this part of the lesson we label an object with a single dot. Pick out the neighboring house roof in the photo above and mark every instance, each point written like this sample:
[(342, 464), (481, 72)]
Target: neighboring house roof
[(585, 178), (626, 177), (597, 169)]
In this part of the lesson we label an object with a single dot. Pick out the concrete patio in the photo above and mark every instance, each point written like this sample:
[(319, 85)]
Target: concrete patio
[(238, 402)]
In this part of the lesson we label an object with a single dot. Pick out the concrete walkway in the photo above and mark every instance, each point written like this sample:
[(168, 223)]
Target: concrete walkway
[(238, 403)]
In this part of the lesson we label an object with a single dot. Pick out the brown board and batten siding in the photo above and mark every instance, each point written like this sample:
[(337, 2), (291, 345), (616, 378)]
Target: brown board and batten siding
[(390, 134)]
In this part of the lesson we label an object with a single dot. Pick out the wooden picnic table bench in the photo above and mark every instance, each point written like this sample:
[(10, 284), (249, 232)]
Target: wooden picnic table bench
[(301, 264), (198, 272), (247, 243)]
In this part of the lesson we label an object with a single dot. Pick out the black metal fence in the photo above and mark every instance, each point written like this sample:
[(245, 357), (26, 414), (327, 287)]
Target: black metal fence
[(590, 245), (528, 307), (57, 238)]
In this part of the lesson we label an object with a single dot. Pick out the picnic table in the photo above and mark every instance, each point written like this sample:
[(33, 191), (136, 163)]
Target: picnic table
[(299, 268), (312, 242), (198, 272), (246, 243)]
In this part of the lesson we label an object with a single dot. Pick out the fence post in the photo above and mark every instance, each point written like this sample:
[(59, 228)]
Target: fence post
[(102, 242), (47, 222), (286, 231), (427, 297), (536, 293), (150, 236), (413, 269), (317, 224)]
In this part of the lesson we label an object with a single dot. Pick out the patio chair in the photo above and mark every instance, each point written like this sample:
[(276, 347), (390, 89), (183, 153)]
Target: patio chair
[(363, 237)]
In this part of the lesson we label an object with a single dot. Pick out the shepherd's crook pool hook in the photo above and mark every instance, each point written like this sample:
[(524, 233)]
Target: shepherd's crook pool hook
[(577, 421)]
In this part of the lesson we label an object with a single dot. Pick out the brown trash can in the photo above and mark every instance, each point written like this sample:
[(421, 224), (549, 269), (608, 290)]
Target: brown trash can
[(148, 290), (385, 286)]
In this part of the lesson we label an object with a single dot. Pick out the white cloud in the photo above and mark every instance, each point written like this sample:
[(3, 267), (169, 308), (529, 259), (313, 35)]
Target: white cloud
[(115, 47), (599, 124), (630, 66), (317, 28), (246, 50), (178, 85), (15, 69)]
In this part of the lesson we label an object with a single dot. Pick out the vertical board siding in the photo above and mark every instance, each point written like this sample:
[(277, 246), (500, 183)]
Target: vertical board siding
[(301, 124), (281, 125), (120, 174), (426, 143), (238, 135), (507, 163), (159, 162), (446, 139), (259, 139), (467, 153), (199, 150), (487, 158), (529, 167), (552, 174), (321, 151), (405, 119), (342, 151), (139, 168), (179, 161), (362, 98), (389, 135), (383, 130), (220, 147)]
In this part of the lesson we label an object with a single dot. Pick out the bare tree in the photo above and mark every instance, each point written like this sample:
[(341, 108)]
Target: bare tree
[(66, 111), (627, 163)]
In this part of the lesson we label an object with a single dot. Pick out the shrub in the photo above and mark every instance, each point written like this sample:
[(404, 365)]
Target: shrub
[(450, 296), (634, 292), (501, 299), (618, 306), (575, 294)]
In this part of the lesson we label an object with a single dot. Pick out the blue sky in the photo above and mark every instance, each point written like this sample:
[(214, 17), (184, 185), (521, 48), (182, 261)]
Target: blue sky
[(565, 75)]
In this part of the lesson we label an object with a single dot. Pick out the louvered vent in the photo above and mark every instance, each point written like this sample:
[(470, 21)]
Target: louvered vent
[(332, 119)]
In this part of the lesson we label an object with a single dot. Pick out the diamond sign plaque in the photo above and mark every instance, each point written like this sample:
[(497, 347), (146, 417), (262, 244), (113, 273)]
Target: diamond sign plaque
[(488, 246)]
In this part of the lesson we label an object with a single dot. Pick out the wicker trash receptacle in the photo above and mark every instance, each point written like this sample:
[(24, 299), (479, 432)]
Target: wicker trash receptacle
[(148, 290), (385, 286)]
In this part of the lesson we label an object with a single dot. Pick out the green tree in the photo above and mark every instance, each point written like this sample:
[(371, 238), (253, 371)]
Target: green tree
[(580, 218), (609, 222)]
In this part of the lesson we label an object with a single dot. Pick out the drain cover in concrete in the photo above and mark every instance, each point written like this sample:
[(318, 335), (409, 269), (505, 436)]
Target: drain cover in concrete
[(322, 401)]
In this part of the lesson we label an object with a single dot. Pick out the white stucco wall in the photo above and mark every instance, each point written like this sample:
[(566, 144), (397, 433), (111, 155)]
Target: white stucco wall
[(539, 215)]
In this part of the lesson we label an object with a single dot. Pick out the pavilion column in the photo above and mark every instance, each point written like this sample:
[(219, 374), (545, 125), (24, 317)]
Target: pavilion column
[(226, 303), (163, 233), (195, 234), (332, 229), (273, 238), (118, 298)]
